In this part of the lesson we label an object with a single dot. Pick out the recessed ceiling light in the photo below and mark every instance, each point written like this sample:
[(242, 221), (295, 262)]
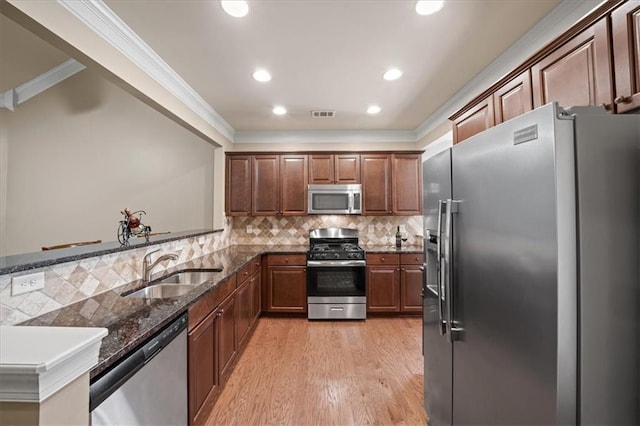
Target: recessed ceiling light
[(279, 110), (427, 7), (235, 8), (373, 109), (262, 75), (392, 74)]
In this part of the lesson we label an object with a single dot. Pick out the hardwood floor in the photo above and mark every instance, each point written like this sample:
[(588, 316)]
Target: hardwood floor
[(300, 372)]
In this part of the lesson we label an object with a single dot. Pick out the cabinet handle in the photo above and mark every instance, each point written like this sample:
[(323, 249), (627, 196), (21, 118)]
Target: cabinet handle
[(417, 258), (382, 259), (606, 106), (622, 100), (304, 269), (286, 261), (422, 268)]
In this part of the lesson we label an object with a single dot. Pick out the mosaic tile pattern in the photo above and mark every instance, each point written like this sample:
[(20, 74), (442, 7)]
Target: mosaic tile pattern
[(294, 230), (70, 282)]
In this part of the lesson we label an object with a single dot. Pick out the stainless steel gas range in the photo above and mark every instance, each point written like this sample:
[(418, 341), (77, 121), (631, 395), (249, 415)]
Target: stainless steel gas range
[(335, 275)]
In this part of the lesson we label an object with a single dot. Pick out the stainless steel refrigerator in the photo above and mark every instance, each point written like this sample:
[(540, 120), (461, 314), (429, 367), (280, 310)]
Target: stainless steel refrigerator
[(531, 292)]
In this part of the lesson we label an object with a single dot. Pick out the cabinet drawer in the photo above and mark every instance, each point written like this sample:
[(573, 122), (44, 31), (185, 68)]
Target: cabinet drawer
[(383, 259), (244, 273), (287, 260), (210, 301), (411, 259)]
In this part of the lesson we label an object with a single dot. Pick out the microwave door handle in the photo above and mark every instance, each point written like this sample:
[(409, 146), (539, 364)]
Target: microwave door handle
[(351, 202)]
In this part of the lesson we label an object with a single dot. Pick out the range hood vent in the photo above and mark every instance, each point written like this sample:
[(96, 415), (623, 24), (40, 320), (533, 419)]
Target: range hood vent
[(323, 114)]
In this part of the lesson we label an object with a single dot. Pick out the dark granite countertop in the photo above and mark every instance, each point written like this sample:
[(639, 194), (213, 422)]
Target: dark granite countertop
[(370, 248), (131, 321)]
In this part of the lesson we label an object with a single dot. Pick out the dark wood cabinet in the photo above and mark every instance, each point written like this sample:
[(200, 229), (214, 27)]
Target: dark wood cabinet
[(227, 342), (411, 281), (293, 185), (244, 311), (383, 282), (265, 189), (513, 99), (625, 26), (475, 120), (219, 323), (203, 373), (407, 184), (578, 73), (279, 185), (376, 184), (286, 284), (334, 168), (394, 282), (238, 185), (256, 300), (248, 300)]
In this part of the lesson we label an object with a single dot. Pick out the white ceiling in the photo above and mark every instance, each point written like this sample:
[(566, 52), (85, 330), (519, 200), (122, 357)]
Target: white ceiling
[(327, 54)]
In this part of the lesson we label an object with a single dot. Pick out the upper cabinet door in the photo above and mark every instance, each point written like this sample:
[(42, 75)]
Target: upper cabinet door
[(474, 121), (514, 98), (407, 184), (625, 23), (338, 168), (347, 168), (293, 184), (321, 169), (266, 191), (376, 184), (238, 185), (578, 73)]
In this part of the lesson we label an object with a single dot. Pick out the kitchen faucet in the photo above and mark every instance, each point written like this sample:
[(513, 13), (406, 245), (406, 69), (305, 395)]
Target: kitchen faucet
[(147, 265)]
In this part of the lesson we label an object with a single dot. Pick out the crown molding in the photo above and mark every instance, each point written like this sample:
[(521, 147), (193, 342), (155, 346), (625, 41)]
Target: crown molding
[(562, 17), (96, 15), (13, 97), (325, 136)]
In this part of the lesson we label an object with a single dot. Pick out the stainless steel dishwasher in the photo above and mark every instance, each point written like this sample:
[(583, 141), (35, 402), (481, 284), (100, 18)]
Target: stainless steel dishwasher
[(149, 386)]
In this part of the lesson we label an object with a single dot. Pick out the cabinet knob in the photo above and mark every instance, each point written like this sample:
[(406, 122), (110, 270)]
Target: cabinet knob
[(622, 100), (422, 268), (382, 259), (286, 261)]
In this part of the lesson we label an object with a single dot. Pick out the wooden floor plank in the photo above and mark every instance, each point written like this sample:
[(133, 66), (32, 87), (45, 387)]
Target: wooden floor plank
[(300, 372)]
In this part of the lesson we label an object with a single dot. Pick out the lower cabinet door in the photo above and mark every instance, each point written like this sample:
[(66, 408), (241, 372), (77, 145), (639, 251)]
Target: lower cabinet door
[(244, 310), (226, 337), (383, 289), (203, 375), (411, 289), (287, 289)]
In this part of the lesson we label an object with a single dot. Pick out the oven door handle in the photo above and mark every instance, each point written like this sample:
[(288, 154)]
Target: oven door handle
[(335, 263)]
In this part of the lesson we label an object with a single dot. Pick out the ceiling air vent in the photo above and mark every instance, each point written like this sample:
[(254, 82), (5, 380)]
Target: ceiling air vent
[(323, 114)]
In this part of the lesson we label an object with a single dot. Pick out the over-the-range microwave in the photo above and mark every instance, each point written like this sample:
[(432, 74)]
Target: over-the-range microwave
[(335, 199)]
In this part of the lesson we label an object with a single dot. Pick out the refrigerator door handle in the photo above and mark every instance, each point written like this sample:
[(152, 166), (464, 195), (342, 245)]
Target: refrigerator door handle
[(454, 332), (442, 328)]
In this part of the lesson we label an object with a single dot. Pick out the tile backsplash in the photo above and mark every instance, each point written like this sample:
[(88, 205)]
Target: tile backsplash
[(272, 230), (70, 282)]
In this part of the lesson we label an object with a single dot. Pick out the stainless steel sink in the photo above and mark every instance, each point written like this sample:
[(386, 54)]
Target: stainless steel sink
[(175, 285), (161, 291), (190, 277)]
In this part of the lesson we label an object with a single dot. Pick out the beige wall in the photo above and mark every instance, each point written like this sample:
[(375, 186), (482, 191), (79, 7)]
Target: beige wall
[(82, 151)]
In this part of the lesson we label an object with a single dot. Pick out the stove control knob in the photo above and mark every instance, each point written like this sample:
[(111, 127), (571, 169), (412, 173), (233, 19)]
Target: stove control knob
[(336, 255)]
